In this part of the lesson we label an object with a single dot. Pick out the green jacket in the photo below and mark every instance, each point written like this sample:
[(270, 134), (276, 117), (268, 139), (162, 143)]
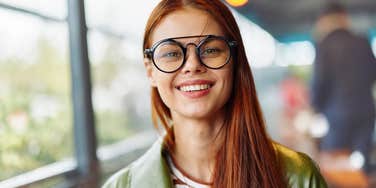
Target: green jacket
[(151, 170)]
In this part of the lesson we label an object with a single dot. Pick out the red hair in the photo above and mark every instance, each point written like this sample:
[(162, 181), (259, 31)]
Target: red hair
[(247, 158)]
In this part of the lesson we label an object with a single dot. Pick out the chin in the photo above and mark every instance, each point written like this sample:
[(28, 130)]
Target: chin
[(201, 114)]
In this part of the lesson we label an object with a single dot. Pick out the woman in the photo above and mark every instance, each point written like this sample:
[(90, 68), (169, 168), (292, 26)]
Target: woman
[(204, 96)]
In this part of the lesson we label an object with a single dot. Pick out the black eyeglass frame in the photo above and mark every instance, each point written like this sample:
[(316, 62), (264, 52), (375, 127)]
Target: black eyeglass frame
[(149, 52)]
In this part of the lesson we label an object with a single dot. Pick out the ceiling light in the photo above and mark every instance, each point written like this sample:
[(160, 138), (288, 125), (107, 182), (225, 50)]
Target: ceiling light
[(237, 3)]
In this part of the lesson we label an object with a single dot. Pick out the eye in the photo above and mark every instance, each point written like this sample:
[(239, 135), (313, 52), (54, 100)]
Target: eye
[(211, 52), (171, 54), (168, 51)]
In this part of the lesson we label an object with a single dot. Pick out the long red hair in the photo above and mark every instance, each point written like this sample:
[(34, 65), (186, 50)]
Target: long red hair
[(247, 158)]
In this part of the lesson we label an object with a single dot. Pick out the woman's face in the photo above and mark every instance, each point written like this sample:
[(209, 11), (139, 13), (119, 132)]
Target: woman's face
[(193, 91)]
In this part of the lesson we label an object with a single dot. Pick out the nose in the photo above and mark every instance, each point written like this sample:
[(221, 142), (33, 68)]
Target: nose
[(192, 62)]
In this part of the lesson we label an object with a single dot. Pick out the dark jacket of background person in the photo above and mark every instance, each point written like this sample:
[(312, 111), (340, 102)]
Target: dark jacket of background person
[(344, 72), (343, 77)]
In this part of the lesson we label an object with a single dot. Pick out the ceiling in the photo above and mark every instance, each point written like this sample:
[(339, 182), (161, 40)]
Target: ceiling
[(291, 20)]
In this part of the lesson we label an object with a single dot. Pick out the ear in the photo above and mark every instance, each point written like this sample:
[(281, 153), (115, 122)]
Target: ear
[(149, 71)]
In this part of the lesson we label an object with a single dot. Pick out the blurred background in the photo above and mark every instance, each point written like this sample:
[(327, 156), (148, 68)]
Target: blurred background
[(53, 135)]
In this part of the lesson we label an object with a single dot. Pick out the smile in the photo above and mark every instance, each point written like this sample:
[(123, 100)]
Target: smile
[(191, 88)]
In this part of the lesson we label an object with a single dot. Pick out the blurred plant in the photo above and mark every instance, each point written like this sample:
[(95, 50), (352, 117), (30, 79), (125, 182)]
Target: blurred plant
[(36, 111)]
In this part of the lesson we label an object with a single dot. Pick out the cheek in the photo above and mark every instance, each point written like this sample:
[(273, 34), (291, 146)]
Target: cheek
[(160, 79), (164, 87), (166, 96), (228, 84), (163, 81), (228, 77)]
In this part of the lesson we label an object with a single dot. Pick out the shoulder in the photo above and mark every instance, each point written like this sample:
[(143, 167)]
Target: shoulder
[(119, 179), (150, 170), (123, 177), (345, 37), (294, 159), (300, 169), (339, 34)]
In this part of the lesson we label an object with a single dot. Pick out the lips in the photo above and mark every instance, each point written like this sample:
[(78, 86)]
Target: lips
[(195, 85), (195, 88), (191, 88)]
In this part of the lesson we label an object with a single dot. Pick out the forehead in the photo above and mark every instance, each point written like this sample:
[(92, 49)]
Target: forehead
[(186, 22)]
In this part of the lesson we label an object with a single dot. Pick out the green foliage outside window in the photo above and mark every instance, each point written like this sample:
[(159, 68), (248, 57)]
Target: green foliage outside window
[(35, 111), (36, 118)]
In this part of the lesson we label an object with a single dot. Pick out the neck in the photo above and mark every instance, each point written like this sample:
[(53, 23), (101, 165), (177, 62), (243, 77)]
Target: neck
[(196, 145)]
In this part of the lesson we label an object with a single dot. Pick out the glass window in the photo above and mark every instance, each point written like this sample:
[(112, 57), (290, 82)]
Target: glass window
[(120, 88), (35, 102), (373, 44), (56, 8), (121, 96)]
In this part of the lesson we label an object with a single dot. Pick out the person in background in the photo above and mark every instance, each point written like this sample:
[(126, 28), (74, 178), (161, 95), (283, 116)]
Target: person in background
[(203, 95), (343, 76)]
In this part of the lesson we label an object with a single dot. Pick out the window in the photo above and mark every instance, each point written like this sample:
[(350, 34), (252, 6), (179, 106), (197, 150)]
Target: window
[(35, 102), (56, 9), (121, 96), (41, 137)]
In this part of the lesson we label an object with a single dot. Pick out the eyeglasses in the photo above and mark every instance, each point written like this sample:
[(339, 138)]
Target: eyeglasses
[(169, 55)]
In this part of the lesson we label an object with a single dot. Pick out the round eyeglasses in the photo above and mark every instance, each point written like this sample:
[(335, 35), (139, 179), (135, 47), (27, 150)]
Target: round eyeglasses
[(169, 55)]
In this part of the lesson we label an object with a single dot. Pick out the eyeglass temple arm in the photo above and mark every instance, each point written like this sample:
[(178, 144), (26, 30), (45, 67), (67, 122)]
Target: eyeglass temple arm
[(147, 52), (233, 43)]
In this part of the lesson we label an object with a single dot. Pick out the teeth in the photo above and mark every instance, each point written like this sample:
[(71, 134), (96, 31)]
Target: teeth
[(194, 87)]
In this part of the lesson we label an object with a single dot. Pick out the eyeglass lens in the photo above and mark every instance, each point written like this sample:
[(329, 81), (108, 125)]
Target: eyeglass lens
[(169, 56)]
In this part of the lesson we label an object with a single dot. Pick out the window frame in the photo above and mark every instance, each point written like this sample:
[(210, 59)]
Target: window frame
[(88, 164)]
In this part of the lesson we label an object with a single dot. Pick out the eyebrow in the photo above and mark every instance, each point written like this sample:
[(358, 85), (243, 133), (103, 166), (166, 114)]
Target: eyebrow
[(199, 38), (191, 36), (196, 41)]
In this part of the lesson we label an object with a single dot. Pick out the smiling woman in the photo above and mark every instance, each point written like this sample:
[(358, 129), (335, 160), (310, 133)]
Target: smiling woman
[(204, 96)]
